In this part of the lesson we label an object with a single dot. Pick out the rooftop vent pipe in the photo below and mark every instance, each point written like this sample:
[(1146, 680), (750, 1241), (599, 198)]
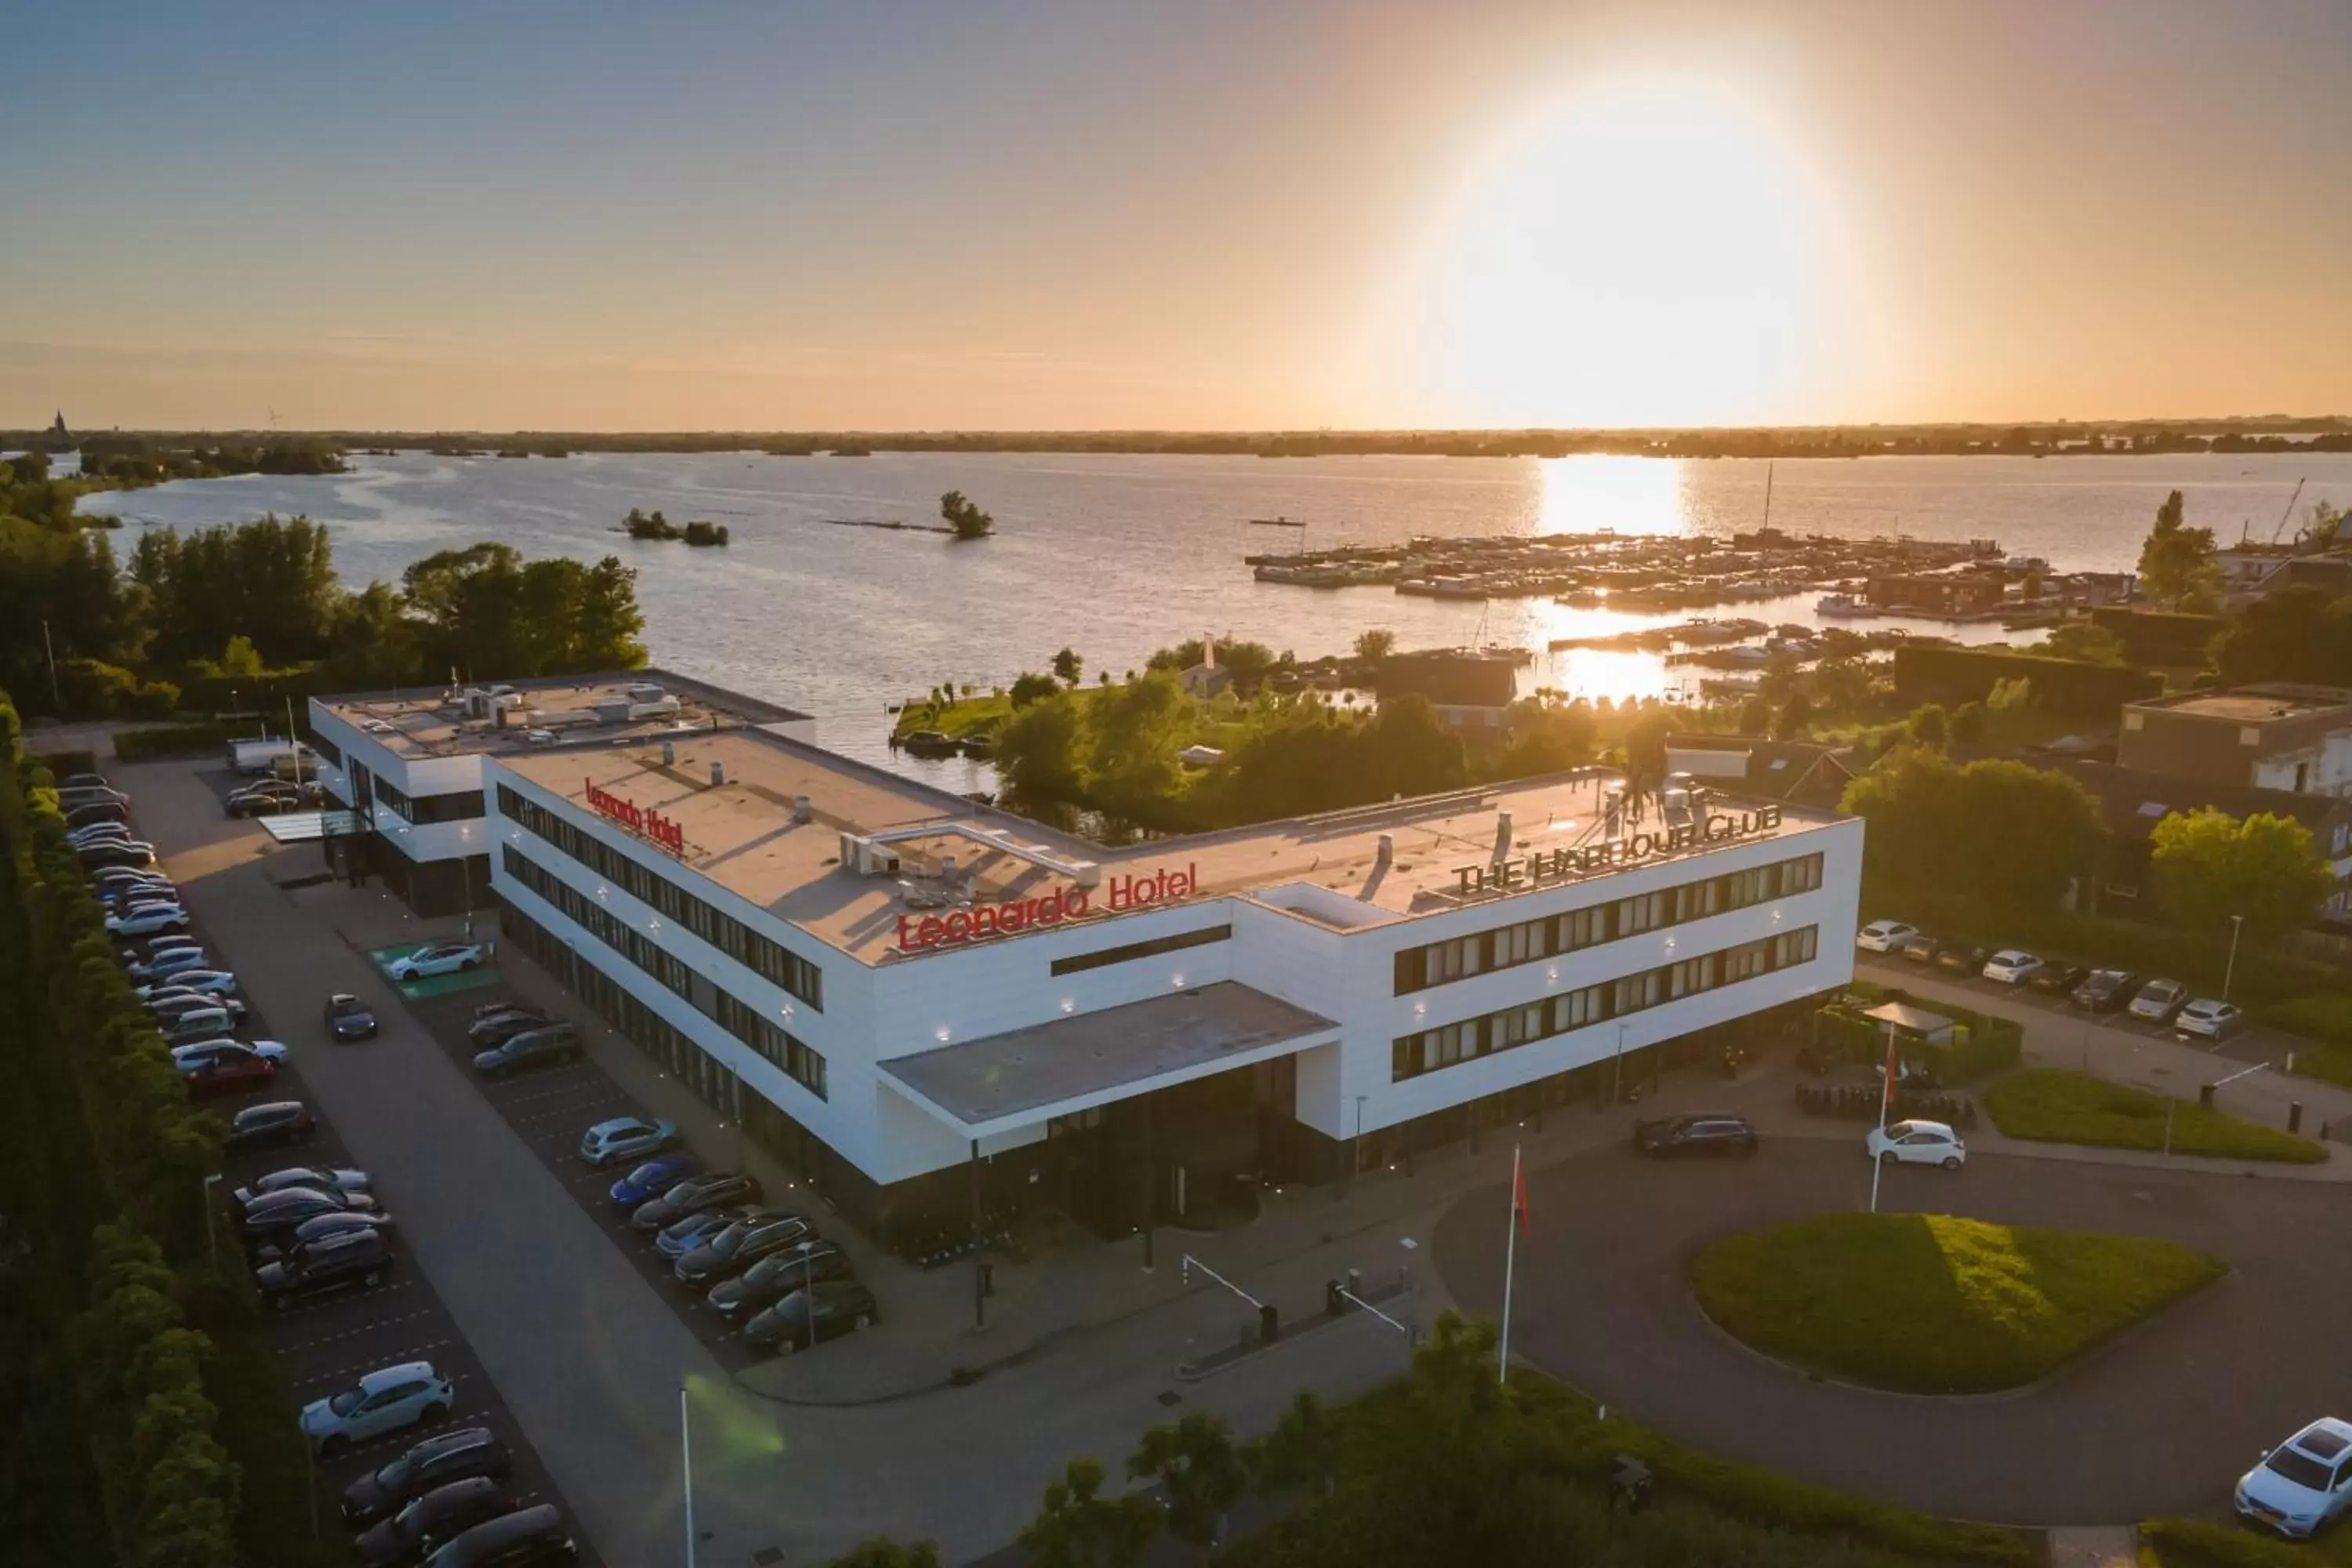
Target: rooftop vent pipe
[(1502, 835), (803, 813), (717, 771), (669, 755)]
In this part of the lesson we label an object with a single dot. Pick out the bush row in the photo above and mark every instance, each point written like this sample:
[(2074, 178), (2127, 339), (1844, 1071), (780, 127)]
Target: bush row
[(169, 741), (1981, 1045), (2053, 1106), (2195, 1543), (91, 689)]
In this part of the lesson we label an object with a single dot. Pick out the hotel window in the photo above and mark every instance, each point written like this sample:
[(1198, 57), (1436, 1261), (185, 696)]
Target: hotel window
[(1458, 958)]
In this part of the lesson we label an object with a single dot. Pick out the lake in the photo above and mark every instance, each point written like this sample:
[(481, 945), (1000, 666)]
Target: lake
[(1116, 555)]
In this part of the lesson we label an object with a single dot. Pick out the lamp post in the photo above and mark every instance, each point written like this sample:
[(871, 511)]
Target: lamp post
[(1617, 1068), (686, 1469), (212, 1232), (2237, 926)]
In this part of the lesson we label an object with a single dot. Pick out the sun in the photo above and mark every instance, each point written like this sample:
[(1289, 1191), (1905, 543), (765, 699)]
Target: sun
[(1642, 250)]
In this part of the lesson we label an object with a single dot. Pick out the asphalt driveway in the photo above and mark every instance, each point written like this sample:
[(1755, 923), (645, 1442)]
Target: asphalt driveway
[(2162, 1420)]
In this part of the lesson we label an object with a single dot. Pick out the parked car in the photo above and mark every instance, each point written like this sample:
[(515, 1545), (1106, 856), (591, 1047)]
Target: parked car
[(111, 877), (83, 780), (208, 981), (444, 1458), (227, 1072), (197, 1024), (494, 1020), (2011, 966), (387, 1400), (153, 918), (433, 1520), (196, 1053), (777, 1275), (1917, 1143), (172, 1002), (2209, 1018), (97, 811), (533, 1538), (442, 958), (738, 1246), (2158, 1000), (680, 1236), (2107, 990), (268, 1218), (348, 1018), (354, 1260), (2303, 1482), (169, 962), (1921, 947), (325, 1179), (268, 796), (133, 854), (1697, 1132), (2058, 979), (271, 1126), (551, 1047), (626, 1138), (694, 1195), (1883, 936), (334, 1222), (83, 786), (652, 1179), (1960, 960), (816, 1313)]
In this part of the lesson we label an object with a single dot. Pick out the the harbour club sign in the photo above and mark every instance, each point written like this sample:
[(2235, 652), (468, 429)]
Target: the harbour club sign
[(1008, 917), (1586, 859), (644, 821)]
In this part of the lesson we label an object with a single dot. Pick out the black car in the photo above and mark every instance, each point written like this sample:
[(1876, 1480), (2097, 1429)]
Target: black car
[(357, 1259), (97, 811), (1922, 948), (2107, 990), (266, 1218), (535, 1538), (2058, 979), (271, 1125), (680, 1236), (335, 1222), (98, 854), (551, 1047), (324, 1179), (444, 1458), (1698, 1132), (1964, 960), (693, 1195), (819, 1312), (83, 780), (434, 1519), (777, 1276), (738, 1246), (499, 1021), (348, 1018)]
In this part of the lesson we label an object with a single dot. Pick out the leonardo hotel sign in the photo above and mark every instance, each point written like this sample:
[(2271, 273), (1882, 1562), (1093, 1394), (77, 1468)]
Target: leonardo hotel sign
[(644, 821), (1009, 916), (1558, 865)]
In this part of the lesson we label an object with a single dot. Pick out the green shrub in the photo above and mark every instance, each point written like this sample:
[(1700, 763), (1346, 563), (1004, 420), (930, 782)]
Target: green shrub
[(170, 741), (2326, 1017), (2051, 1105), (1982, 1046), (2196, 1543), (93, 690), (65, 765), (1934, 1303)]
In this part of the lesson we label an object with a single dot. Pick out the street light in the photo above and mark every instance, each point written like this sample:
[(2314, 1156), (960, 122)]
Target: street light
[(686, 1468), (212, 1232), (1617, 1068), (2237, 925)]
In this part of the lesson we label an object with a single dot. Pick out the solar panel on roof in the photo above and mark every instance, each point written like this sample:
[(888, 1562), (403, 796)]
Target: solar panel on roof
[(2321, 1443)]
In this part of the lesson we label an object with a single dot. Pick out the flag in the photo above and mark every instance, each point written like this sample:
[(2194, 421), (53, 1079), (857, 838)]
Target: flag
[(1886, 1095), (1519, 1196)]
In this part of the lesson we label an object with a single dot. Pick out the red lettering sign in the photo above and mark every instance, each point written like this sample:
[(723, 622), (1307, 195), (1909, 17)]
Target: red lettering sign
[(1133, 891), (644, 822)]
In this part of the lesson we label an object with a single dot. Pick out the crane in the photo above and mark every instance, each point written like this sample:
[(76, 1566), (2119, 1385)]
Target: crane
[(2289, 511)]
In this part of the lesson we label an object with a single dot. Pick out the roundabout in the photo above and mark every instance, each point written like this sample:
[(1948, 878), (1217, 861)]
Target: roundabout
[(2160, 1418)]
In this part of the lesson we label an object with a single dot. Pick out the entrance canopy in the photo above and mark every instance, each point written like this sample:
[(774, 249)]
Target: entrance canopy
[(999, 1083), (1913, 1022), (300, 826)]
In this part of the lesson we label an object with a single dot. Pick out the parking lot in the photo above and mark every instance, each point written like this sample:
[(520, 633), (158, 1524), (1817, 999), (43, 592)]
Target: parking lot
[(325, 1344)]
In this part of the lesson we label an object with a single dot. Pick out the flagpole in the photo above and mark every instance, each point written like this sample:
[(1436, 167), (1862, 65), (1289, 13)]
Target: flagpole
[(1886, 1095), (1510, 1257)]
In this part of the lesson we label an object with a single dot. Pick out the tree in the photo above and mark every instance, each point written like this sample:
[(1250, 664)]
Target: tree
[(1842, 683), (239, 658), (1541, 738), (1199, 1468), (1968, 726), (1077, 1528), (882, 1552), (1755, 716), (1409, 751), (2302, 634), (967, 520), (1037, 750), (1930, 726), (2265, 868), (1999, 833), (372, 642), (1375, 645), (1303, 1449), (1779, 682), (1029, 686), (1068, 666), (1136, 732), (2084, 643), (1646, 743), (2176, 562), (1790, 721)]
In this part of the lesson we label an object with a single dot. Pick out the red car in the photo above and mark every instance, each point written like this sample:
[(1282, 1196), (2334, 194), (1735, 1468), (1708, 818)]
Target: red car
[(227, 1072)]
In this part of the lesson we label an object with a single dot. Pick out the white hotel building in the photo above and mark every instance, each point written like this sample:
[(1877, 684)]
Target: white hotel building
[(901, 992)]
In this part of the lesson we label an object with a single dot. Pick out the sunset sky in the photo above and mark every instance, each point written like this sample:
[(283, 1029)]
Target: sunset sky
[(1195, 215)]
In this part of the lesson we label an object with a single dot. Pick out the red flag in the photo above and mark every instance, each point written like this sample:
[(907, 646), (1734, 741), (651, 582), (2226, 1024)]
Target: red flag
[(1886, 1095), (1519, 1196)]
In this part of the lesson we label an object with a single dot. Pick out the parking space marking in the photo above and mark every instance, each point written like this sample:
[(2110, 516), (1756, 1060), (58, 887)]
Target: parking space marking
[(361, 1369), (301, 1346)]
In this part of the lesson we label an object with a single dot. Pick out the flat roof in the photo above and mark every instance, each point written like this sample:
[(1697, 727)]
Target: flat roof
[(739, 828), (2255, 704), (612, 705), (1025, 1070)]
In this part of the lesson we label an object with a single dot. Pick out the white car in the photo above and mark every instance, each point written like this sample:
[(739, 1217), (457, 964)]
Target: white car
[(173, 1005), (2303, 1482), (443, 958), (99, 833), (320, 1178), (2208, 1017), (211, 982), (390, 1399), (1917, 1143), (2011, 966), (152, 918), (170, 961), (189, 1058), (1885, 936)]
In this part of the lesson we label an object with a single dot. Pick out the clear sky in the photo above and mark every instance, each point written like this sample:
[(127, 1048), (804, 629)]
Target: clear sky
[(1185, 214)]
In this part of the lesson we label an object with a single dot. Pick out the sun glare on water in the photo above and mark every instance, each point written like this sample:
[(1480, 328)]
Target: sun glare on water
[(1645, 251)]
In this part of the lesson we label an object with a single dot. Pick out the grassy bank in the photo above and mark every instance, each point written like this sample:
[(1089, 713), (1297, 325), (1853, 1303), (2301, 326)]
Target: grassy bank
[(2050, 1105), (1935, 1304)]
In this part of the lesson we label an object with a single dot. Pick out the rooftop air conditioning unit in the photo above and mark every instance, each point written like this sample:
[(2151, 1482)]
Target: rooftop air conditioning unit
[(647, 691)]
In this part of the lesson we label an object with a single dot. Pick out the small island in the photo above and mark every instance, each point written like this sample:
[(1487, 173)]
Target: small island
[(654, 526), (967, 520)]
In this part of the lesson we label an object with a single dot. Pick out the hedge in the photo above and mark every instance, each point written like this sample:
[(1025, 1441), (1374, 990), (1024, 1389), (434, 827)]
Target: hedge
[(93, 690), (170, 741), (65, 765), (1982, 1044), (1952, 676), (2052, 1105), (2196, 1543)]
